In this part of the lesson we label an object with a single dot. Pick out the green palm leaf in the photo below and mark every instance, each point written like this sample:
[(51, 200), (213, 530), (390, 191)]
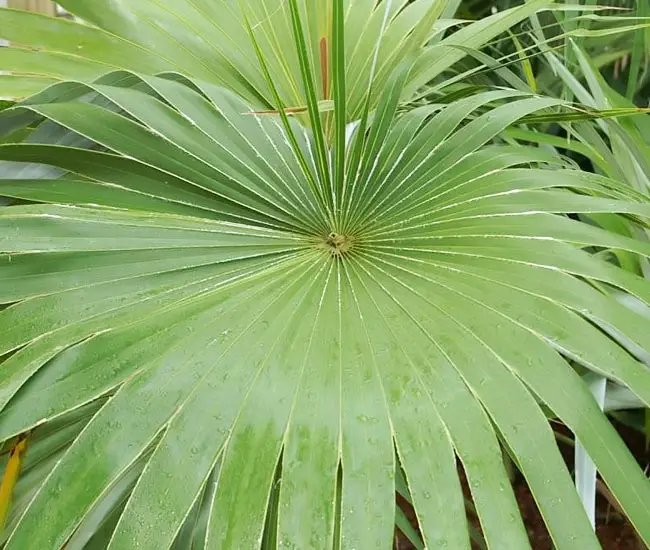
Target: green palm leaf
[(232, 330), (209, 40)]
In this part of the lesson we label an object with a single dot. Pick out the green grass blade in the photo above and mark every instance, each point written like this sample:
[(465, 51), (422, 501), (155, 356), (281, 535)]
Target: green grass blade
[(340, 103), (308, 81)]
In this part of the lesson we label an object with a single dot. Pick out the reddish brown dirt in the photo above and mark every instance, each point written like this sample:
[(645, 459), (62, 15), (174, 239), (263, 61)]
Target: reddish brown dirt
[(613, 530)]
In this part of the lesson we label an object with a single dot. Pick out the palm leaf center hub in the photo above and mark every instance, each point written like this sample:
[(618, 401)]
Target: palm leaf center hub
[(337, 244)]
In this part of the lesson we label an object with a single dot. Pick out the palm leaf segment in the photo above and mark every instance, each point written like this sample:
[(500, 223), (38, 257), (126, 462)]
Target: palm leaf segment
[(229, 330)]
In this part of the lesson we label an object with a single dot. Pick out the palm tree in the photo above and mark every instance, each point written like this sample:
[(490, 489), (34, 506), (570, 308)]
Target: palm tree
[(248, 292)]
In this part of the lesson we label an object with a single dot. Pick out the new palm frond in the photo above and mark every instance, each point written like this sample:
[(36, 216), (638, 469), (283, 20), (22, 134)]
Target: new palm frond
[(228, 329)]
